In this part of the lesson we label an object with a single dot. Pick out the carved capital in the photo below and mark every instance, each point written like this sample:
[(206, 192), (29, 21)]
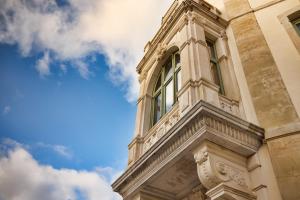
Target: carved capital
[(188, 5)]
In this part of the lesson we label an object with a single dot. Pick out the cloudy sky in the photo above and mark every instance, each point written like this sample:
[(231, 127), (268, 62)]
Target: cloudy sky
[(68, 90)]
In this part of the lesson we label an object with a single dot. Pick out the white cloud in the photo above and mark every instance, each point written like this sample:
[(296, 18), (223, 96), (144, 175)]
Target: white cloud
[(118, 29), (63, 68), (59, 149), (42, 65), (23, 178), (7, 144), (6, 110), (109, 173), (83, 69)]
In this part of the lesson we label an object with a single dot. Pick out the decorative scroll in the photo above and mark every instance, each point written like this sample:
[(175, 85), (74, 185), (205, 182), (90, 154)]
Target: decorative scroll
[(212, 171)]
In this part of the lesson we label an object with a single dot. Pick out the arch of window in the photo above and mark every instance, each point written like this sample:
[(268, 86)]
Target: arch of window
[(166, 88)]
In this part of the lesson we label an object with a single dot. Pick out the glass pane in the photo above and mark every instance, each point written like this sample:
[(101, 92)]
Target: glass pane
[(177, 60), (169, 95), (178, 79), (298, 26), (211, 50), (168, 69), (158, 84), (157, 108), (215, 74)]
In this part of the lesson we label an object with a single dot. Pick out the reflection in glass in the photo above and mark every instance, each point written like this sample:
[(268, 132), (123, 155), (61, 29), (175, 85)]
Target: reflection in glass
[(158, 84), (298, 26), (177, 60), (211, 50), (169, 95), (215, 75), (157, 108), (178, 78), (168, 70)]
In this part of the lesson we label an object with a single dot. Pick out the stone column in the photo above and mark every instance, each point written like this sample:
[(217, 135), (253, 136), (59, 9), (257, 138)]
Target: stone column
[(223, 173), (135, 147), (197, 80), (135, 150)]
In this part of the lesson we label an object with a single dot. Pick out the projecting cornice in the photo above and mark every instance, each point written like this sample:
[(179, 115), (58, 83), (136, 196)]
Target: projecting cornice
[(204, 122), (172, 16)]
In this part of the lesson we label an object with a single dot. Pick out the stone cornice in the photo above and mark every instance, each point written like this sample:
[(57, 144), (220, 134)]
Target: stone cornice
[(168, 22), (202, 122)]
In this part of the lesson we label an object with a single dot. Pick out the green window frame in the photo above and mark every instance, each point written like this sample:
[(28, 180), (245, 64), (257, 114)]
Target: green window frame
[(215, 67), (296, 24), (166, 88)]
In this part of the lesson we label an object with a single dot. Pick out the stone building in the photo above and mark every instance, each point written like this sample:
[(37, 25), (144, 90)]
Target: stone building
[(219, 105)]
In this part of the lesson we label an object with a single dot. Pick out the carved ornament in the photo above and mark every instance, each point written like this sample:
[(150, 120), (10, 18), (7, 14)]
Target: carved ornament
[(212, 171)]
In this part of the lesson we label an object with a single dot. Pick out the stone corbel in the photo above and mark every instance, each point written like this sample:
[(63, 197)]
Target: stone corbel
[(142, 77), (218, 172), (161, 50)]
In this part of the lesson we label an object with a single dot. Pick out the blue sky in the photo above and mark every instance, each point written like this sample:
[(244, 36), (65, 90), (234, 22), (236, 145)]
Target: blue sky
[(68, 94), (86, 116)]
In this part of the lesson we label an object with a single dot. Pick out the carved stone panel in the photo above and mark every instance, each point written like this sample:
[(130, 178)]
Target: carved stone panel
[(216, 166)]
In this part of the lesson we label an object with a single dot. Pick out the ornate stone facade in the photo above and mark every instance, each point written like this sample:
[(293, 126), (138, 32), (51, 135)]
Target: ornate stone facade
[(241, 144)]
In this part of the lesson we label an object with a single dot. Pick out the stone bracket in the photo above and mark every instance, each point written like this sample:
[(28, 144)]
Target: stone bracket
[(222, 172)]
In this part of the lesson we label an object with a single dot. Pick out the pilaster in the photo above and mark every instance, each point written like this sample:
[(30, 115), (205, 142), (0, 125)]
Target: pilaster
[(135, 150), (196, 66)]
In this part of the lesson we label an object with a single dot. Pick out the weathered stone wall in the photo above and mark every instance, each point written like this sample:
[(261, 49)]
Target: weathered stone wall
[(285, 154), (270, 97)]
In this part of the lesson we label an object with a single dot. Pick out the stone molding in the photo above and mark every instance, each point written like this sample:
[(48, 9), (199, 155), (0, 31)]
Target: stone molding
[(227, 191), (202, 122)]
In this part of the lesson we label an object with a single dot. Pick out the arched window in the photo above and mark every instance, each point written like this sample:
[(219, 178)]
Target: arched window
[(166, 88)]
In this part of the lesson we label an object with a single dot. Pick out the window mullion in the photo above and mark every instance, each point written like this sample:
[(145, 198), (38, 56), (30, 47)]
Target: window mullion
[(221, 80), (218, 70), (163, 93), (174, 79)]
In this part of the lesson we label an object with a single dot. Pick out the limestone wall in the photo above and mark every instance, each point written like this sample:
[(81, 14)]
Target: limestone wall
[(268, 66)]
